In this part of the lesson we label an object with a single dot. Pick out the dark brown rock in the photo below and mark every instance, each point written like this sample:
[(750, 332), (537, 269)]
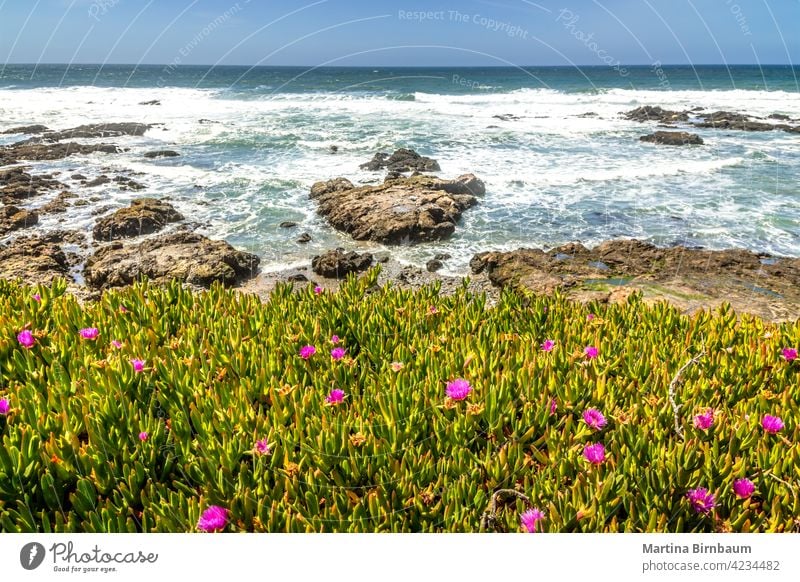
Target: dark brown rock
[(674, 138), (304, 238), (18, 184), (98, 130), (728, 120), (650, 113), (161, 154), (26, 129), (34, 260), (337, 264), (143, 216), (54, 151), (13, 218), (402, 160)]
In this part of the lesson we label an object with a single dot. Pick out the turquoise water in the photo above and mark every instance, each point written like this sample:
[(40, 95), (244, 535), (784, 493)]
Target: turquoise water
[(254, 140)]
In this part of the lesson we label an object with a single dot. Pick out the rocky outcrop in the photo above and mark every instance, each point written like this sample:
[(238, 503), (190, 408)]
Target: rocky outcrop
[(184, 256), (728, 120), (143, 216), (337, 264), (161, 154), (18, 184), (404, 210), (402, 160), (55, 151), (26, 129), (674, 138), (34, 260), (13, 218), (650, 113), (98, 130)]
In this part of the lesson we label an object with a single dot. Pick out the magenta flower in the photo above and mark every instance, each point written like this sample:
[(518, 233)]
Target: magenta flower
[(594, 418), (789, 354), (595, 454), (338, 353), (26, 339), (318, 290), (335, 339), (138, 365), (117, 344), (591, 352), (123, 309), (548, 345), (743, 488), (5, 406), (90, 333), (215, 518), (553, 406), (529, 518), (432, 310), (701, 499), (143, 436), (307, 351), (262, 447), (458, 389), (704, 421), (397, 366), (37, 298), (335, 397), (771, 424), (590, 317)]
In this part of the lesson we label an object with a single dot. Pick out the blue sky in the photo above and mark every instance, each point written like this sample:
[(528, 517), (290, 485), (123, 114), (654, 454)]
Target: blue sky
[(404, 32)]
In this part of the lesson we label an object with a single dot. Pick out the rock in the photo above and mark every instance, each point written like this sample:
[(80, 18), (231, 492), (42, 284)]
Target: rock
[(507, 117), (402, 160), (728, 120), (58, 204), (304, 238), (26, 129), (333, 149), (79, 177), (34, 260), (99, 181), (182, 256), (588, 114), (98, 130), (779, 116), (674, 138), (13, 218), (143, 216), (337, 264), (40, 151), (434, 265), (17, 184), (415, 209), (153, 102), (161, 154), (442, 256), (126, 183), (297, 278), (287, 224), (650, 113)]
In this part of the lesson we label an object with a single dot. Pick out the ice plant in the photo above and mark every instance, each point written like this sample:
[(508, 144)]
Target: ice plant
[(548, 345), (553, 406), (591, 352), (458, 389), (335, 397), (529, 518), (5, 406), (89, 333), (594, 418), (701, 499), (26, 339), (307, 351), (397, 366), (595, 453), (37, 298), (704, 421), (789, 354), (318, 290), (432, 310), (143, 436), (138, 365), (771, 424), (117, 344), (743, 488), (123, 309), (338, 353), (215, 518), (335, 339), (262, 447), (590, 317)]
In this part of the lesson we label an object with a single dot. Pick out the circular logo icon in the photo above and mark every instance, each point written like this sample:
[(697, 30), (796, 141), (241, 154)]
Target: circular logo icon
[(31, 555)]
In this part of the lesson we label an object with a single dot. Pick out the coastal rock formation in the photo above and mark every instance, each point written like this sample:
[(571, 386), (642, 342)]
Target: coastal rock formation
[(184, 256), (143, 216), (402, 160), (728, 120), (55, 151), (674, 138), (337, 264), (689, 278), (58, 204), (34, 260), (98, 130), (18, 184), (26, 129), (650, 113), (13, 218), (161, 154), (414, 209)]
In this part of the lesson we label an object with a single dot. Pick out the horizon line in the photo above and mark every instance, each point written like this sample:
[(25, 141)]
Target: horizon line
[(577, 66)]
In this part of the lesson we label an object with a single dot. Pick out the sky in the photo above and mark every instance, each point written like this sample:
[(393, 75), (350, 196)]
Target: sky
[(400, 33)]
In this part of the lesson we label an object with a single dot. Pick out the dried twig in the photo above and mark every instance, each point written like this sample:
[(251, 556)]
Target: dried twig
[(489, 517), (673, 386)]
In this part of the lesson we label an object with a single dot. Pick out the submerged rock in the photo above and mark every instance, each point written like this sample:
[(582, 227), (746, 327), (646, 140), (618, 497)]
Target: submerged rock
[(728, 120), (143, 216), (26, 129), (674, 138), (337, 264), (98, 130), (402, 160), (161, 154)]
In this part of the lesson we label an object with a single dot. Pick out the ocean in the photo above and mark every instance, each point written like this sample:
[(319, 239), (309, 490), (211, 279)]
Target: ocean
[(253, 141)]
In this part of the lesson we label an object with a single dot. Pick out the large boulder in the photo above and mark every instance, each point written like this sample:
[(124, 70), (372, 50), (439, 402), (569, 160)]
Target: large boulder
[(13, 218), (404, 210), (34, 260), (337, 264), (143, 216), (183, 256), (402, 160), (674, 138)]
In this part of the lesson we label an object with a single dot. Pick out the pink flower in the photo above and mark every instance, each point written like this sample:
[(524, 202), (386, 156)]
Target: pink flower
[(318, 290), (335, 339), (143, 436), (771, 424), (594, 418), (26, 339), (338, 353), (704, 421), (5, 406), (397, 366), (37, 298), (548, 345), (702, 501), (215, 518), (89, 333), (743, 488), (553, 406), (790, 354), (138, 365), (529, 518), (123, 309), (117, 344), (262, 447), (307, 351), (335, 397), (458, 389), (590, 317), (432, 310), (595, 454), (591, 352)]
